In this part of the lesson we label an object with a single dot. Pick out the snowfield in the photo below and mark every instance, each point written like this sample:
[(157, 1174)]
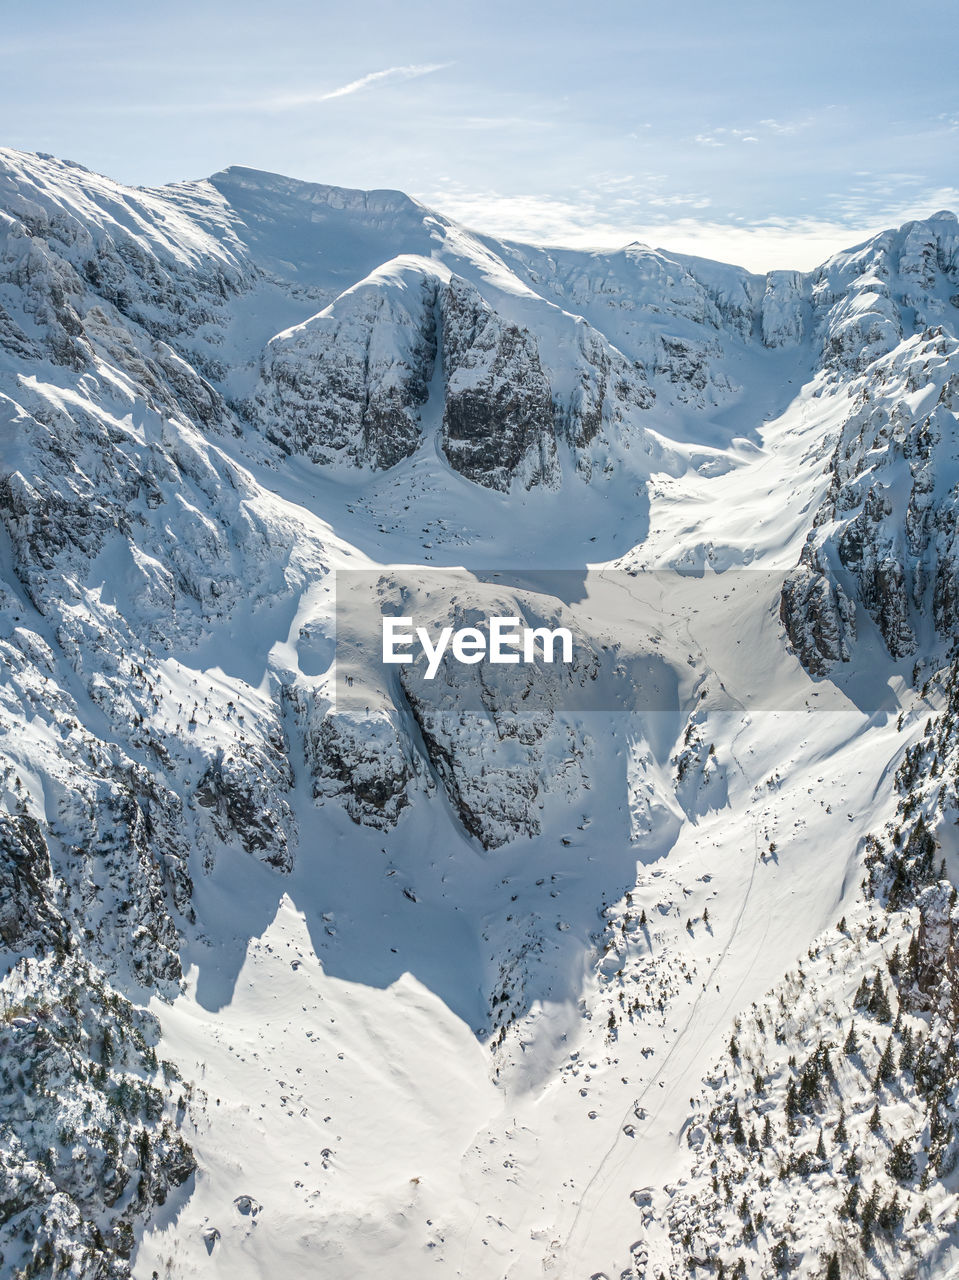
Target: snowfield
[(640, 966)]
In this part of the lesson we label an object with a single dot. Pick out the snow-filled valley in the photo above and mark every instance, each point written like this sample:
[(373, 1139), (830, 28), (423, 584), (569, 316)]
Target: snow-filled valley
[(639, 968)]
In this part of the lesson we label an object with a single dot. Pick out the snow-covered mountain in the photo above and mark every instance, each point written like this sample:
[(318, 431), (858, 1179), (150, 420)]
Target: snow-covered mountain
[(639, 967)]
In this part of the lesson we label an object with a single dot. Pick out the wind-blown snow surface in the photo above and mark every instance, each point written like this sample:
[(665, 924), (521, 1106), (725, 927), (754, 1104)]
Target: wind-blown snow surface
[(435, 979)]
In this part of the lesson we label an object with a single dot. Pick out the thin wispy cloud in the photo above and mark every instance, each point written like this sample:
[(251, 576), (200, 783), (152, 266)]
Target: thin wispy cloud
[(279, 101), (288, 101), (481, 123), (722, 134), (788, 126)]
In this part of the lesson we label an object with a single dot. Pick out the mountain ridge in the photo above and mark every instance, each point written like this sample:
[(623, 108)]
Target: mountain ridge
[(267, 857)]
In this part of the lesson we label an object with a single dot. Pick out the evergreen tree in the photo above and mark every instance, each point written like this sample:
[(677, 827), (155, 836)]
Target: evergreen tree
[(852, 1166), (736, 1126), (852, 1041), (900, 1164), (912, 956), (824, 1062), (832, 1269), (792, 1104), (879, 1000), (875, 1120), (850, 1205), (921, 1070), (779, 1255), (890, 1216), (820, 1148), (887, 1065), (907, 1054), (809, 1085), (143, 1147), (840, 1134), (868, 1214)]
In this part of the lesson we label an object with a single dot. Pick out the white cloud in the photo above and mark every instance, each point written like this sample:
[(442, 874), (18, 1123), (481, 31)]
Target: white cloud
[(718, 136), (497, 122), (678, 200), (292, 100), (281, 101), (790, 243), (786, 126)]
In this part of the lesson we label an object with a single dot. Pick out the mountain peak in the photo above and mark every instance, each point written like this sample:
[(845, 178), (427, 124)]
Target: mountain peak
[(239, 178)]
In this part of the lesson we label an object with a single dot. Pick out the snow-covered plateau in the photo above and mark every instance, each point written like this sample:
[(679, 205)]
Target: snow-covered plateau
[(639, 966)]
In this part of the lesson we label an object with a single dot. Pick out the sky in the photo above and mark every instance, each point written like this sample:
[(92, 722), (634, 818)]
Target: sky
[(764, 134)]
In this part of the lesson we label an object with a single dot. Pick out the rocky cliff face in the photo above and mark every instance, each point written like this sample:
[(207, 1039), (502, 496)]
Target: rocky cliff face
[(884, 534), (351, 381), (355, 382), (498, 412), (492, 741)]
